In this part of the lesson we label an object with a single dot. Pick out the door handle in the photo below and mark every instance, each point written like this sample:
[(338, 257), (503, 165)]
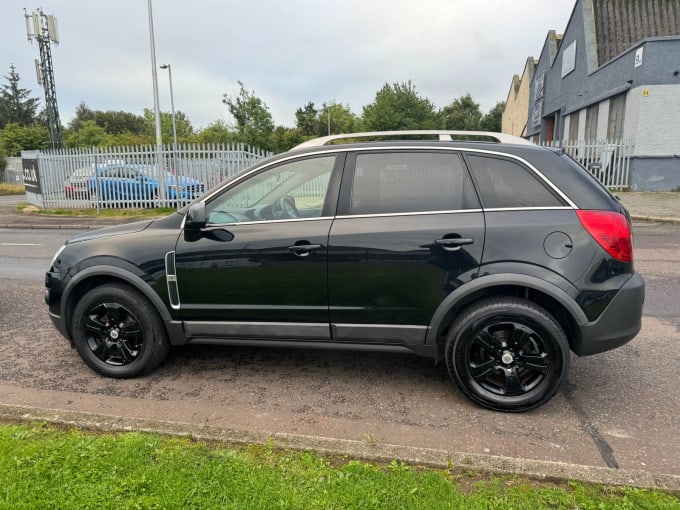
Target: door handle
[(453, 243), (302, 250)]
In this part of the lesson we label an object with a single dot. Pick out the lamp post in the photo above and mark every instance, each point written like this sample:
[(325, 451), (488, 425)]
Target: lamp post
[(174, 126), (172, 106), (157, 115)]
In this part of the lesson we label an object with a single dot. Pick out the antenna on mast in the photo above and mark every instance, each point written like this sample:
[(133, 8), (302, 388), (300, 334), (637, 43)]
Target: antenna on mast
[(44, 29)]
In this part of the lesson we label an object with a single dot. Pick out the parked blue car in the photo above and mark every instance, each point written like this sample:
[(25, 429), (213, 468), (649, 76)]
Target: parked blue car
[(140, 185)]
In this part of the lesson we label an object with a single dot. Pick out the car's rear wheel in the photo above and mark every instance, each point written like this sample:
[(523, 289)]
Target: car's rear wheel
[(117, 332), (507, 354)]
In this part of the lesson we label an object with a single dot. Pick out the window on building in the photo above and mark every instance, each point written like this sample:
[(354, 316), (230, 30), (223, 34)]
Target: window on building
[(573, 126), (591, 122), (617, 113)]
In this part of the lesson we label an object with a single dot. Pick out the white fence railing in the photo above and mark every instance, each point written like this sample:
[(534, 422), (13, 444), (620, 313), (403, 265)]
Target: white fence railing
[(13, 173), (607, 160), (138, 176)]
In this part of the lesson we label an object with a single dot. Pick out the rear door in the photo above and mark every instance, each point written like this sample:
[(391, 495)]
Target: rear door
[(409, 231)]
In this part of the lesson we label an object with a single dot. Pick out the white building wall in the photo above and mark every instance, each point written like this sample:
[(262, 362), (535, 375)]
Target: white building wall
[(653, 120)]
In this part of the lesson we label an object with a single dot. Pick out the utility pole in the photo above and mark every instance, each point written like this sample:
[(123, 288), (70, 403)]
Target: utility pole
[(43, 29)]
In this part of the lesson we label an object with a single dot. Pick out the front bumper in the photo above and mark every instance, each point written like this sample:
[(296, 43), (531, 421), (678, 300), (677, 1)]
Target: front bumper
[(53, 282), (618, 324)]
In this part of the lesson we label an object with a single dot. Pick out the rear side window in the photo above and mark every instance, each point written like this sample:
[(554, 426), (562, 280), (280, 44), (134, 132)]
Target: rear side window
[(503, 183), (404, 182)]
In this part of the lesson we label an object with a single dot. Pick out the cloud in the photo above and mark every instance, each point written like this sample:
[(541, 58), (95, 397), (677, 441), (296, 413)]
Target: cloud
[(288, 52)]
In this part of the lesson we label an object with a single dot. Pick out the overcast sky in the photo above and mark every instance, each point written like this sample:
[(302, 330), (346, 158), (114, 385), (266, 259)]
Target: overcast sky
[(288, 52)]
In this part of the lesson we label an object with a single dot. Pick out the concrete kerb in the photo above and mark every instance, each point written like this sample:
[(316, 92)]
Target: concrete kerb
[(655, 219), (34, 226), (376, 452)]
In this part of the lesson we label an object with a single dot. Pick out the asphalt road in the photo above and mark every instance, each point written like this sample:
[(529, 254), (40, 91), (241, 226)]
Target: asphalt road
[(11, 199), (618, 409)]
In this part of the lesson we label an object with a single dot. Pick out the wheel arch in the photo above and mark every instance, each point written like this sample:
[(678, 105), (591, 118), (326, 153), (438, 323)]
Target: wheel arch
[(555, 300), (92, 277)]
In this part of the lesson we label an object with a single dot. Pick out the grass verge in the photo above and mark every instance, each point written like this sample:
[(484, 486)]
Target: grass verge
[(45, 467), (27, 208), (8, 188)]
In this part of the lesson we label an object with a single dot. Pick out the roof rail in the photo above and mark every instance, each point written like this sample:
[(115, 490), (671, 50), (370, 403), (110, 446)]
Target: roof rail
[(444, 135)]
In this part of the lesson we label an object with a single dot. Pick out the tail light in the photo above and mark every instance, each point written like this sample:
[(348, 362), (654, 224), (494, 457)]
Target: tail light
[(611, 230)]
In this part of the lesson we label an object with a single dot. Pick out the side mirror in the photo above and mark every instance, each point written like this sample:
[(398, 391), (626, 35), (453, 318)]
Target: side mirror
[(196, 216)]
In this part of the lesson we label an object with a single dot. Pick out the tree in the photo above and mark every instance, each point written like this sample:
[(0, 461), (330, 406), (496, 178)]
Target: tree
[(83, 113), (493, 120), (184, 128), (284, 138), (15, 138), (117, 122), (399, 106), (128, 138), (306, 120), (462, 114), (342, 119), (16, 105), (88, 135), (253, 119), (216, 132)]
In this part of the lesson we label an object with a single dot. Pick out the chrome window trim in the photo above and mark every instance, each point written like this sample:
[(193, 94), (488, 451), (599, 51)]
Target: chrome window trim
[(339, 149), (546, 208), (421, 213), (265, 222), (461, 211)]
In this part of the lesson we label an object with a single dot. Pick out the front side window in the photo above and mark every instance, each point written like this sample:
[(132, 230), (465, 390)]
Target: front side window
[(408, 182), (291, 190), (504, 183)]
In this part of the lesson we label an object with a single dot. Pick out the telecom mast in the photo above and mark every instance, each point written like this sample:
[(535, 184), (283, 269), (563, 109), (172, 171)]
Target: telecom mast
[(44, 29)]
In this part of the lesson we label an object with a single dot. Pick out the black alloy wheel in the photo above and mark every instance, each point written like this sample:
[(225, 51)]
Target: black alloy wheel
[(507, 354), (117, 332), (114, 334)]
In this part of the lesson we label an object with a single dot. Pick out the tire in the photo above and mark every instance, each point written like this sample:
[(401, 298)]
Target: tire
[(117, 332), (507, 354)]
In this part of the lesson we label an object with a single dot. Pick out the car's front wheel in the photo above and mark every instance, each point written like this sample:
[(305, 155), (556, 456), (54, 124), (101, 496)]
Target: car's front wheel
[(507, 354), (117, 332)]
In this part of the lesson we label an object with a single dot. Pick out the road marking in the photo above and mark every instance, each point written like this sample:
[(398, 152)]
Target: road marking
[(20, 244)]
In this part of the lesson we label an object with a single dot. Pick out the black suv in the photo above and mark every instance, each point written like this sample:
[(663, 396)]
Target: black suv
[(496, 256)]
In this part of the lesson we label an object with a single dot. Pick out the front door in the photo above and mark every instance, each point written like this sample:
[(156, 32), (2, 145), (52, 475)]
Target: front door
[(258, 269)]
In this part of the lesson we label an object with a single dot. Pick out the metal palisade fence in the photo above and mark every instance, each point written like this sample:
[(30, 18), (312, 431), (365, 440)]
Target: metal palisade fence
[(138, 176), (607, 160)]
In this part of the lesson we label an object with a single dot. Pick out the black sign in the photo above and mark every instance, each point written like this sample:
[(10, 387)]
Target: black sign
[(31, 175)]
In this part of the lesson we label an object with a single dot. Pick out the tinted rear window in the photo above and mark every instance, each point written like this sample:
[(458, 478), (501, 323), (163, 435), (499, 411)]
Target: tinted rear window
[(504, 183), (403, 182)]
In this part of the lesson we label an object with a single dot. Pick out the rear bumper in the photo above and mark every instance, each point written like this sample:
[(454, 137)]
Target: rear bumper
[(618, 324)]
